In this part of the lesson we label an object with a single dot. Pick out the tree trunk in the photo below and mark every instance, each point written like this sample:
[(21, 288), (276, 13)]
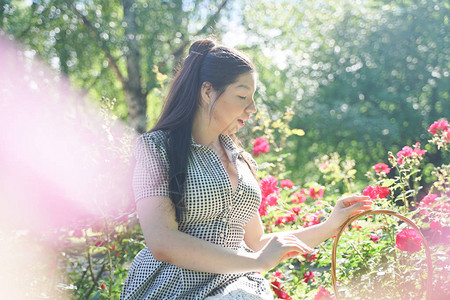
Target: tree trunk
[(135, 97)]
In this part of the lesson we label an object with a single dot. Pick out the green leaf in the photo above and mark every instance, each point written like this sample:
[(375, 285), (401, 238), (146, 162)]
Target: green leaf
[(388, 182), (96, 296)]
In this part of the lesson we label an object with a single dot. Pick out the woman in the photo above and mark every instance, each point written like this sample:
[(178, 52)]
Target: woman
[(196, 194)]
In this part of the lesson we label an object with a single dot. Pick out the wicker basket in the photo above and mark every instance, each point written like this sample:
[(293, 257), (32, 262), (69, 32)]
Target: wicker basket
[(385, 212)]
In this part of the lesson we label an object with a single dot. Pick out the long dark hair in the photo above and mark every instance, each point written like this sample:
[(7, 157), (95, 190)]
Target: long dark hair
[(206, 62)]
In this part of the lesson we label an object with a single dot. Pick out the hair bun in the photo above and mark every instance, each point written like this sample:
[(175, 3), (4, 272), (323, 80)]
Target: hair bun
[(202, 47)]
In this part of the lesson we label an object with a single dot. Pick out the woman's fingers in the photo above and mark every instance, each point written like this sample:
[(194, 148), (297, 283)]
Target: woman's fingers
[(350, 200)]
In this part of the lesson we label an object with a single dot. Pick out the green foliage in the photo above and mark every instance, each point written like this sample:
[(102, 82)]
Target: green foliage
[(361, 75), (90, 41)]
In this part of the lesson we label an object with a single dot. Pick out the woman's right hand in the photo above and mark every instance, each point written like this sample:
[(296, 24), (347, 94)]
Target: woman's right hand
[(279, 248)]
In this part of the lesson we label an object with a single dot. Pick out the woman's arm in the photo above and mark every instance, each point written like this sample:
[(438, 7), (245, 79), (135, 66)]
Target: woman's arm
[(167, 243), (314, 235)]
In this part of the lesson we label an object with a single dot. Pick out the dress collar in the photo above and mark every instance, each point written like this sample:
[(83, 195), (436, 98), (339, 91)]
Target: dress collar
[(228, 143)]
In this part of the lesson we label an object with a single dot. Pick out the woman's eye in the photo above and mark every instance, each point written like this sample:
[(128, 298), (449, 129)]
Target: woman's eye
[(243, 98)]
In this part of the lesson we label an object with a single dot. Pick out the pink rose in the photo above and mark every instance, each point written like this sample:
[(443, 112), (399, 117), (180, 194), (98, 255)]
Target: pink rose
[(429, 199), (287, 183), (298, 197), (438, 126), (410, 152), (376, 191), (316, 194), (260, 145), (436, 226), (381, 168), (409, 240), (323, 294), (374, 238), (268, 185)]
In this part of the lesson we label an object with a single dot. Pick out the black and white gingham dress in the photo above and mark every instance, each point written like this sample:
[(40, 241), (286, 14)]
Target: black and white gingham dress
[(214, 213)]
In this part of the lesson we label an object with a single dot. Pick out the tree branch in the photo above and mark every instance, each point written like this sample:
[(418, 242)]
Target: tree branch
[(183, 46), (102, 44)]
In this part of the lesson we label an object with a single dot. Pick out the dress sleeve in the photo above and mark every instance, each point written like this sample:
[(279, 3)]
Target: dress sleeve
[(150, 175)]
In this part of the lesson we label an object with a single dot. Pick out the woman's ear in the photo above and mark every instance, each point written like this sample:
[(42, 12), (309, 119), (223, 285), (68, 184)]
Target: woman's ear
[(206, 93)]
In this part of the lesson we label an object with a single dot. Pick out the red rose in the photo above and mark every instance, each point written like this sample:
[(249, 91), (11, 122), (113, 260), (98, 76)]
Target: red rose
[(271, 200), (268, 185), (278, 274), (285, 219), (287, 183), (298, 197), (409, 240), (310, 257), (296, 210), (381, 168), (376, 191), (260, 145), (316, 194), (308, 276), (262, 209), (371, 192), (374, 238), (382, 191), (103, 287), (279, 290)]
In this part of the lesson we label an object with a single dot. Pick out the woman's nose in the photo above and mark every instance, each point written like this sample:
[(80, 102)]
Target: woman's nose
[(251, 108)]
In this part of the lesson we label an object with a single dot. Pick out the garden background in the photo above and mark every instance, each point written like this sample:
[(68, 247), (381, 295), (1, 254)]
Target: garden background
[(343, 86)]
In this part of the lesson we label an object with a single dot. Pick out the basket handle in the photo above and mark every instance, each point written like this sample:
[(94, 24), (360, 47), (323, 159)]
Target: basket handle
[(379, 212)]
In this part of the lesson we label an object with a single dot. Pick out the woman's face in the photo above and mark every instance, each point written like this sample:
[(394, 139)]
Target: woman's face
[(235, 105)]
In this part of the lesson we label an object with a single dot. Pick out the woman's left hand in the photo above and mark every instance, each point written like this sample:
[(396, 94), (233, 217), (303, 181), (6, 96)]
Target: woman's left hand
[(347, 207)]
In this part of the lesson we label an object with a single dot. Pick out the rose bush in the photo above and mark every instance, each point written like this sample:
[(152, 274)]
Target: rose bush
[(378, 256)]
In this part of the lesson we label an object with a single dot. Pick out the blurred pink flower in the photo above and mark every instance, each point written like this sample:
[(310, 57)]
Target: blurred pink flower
[(429, 199), (298, 197), (323, 294), (268, 186), (374, 238), (376, 191), (296, 210), (409, 240), (279, 290), (287, 183), (310, 257), (278, 274), (316, 194), (260, 145), (308, 276), (438, 126), (436, 226), (410, 152), (381, 168), (289, 218)]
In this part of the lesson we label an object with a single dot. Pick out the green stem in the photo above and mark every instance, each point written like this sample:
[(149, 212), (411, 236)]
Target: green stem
[(108, 243), (360, 255)]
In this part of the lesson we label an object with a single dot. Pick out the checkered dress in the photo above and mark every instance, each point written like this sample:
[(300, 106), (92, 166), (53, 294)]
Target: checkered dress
[(213, 212)]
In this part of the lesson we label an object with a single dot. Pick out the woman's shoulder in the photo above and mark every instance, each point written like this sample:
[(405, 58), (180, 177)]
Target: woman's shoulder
[(158, 136), (152, 140)]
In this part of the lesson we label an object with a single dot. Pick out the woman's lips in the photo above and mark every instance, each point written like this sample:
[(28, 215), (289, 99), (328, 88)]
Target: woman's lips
[(241, 122)]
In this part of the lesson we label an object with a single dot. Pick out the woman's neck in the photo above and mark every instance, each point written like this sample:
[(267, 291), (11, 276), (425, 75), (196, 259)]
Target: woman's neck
[(202, 131)]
